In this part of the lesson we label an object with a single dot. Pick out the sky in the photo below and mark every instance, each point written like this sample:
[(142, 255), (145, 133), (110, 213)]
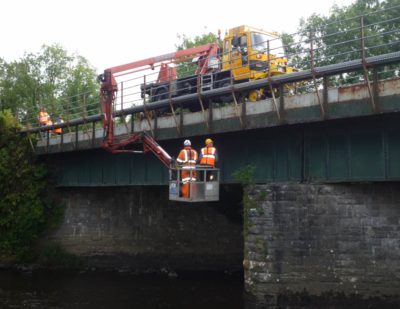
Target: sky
[(115, 32)]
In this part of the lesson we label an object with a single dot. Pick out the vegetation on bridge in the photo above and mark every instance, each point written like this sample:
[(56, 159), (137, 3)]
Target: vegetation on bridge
[(24, 206)]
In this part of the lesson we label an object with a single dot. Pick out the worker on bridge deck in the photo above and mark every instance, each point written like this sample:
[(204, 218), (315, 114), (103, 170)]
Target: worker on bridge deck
[(44, 119), (208, 157), (187, 158), (59, 120)]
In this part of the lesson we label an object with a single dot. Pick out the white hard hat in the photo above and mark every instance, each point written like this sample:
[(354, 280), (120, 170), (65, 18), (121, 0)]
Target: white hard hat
[(187, 143)]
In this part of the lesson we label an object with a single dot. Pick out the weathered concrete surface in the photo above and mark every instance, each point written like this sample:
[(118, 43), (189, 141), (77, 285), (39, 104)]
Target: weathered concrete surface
[(318, 240), (136, 228), (341, 102)]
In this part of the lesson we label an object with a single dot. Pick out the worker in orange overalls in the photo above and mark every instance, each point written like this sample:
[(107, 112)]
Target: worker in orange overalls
[(208, 157), (187, 158), (44, 119)]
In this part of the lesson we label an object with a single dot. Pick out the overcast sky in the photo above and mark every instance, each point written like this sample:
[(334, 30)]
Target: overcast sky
[(114, 32)]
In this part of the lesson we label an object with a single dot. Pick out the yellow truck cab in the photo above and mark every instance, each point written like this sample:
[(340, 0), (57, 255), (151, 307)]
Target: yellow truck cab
[(250, 53)]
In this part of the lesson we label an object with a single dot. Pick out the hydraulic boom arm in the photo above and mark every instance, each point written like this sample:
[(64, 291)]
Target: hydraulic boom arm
[(149, 144), (109, 87)]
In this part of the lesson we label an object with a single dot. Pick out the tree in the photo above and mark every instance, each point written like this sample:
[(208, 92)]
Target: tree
[(80, 96), (49, 79), (337, 37), (22, 187)]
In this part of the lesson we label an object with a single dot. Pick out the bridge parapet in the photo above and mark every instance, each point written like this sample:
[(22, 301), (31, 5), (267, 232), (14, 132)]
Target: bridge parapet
[(339, 103)]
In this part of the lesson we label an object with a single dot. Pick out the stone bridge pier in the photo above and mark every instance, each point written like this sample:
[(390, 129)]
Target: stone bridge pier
[(315, 242), (137, 229)]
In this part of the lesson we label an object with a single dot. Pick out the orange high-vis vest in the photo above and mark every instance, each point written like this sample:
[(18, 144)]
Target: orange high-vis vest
[(58, 130), (208, 156), (43, 118), (188, 158)]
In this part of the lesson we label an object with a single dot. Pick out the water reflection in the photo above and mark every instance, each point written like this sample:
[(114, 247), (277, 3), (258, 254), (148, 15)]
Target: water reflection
[(57, 290)]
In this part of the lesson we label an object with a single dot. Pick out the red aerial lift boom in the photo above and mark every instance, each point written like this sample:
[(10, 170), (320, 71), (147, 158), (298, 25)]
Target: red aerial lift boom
[(109, 88), (203, 190), (149, 144)]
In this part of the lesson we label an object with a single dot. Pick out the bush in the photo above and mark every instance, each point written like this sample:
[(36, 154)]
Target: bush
[(22, 190), (245, 175)]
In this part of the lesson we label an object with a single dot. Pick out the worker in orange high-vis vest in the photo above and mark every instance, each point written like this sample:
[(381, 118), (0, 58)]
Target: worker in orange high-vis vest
[(208, 157), (187, 158), (44, 120), (43, 117), (58, 131)]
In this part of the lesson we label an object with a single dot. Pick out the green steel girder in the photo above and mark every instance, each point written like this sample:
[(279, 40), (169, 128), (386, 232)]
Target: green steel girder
[(358, 149)]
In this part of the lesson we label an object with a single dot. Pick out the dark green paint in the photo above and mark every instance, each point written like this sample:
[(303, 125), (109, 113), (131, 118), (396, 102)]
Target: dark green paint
[(362, 149)]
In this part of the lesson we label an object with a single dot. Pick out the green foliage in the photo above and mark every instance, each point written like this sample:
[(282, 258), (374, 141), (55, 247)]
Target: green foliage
[(81, 90), (245, 175), (262, 196), (337, 36), (22, 185), (50, 78), (53, 255), (187, 68)]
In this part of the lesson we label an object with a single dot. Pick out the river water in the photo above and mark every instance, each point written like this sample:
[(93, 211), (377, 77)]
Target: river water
[(103, 290), (55, 290)]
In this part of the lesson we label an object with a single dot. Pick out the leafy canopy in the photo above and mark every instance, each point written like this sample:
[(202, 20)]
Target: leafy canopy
[(62, 83)]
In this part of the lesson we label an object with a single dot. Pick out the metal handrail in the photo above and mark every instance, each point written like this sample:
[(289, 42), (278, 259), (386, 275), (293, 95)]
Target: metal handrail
[(128, 103)]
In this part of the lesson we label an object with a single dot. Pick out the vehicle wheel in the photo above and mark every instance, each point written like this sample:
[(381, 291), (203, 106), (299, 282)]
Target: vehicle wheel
[(226, 98), (161, 94)]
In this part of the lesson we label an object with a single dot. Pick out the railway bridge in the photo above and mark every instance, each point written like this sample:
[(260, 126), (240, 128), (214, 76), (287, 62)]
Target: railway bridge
[(322, 215)]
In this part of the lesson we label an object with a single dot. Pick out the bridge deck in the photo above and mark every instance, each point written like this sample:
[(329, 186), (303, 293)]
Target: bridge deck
[(338, 103)]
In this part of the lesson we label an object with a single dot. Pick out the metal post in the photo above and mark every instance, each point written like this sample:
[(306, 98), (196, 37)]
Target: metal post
[(281, 104), (178, 127), (181, 120), (155, 125), (93, 132), (122, 108), (364, 64), (325, 95), (84, 117), (210, 116), (68, 119), (235, 101), (244, 114), (270, 84), (312, 67), (145, 108), (122, 95), (201, 100), (233, 92), (375, 86), (76, 137)]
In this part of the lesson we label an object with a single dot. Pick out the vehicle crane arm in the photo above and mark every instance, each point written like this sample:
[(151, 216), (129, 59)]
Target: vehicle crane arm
[(109, 89), (149, 144)]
